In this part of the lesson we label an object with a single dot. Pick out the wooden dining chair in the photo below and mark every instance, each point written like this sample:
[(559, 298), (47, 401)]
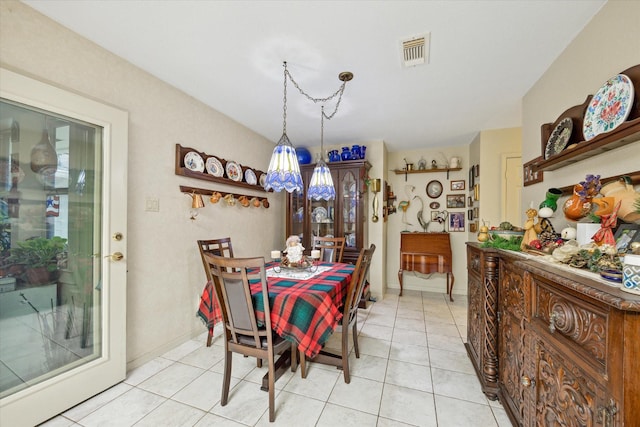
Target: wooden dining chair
[(349, 318), (331, 248), (219, 247), (231, 278)]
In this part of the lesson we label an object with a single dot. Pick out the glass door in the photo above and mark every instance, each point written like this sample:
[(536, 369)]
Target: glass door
[(62, 273), (349, 192)]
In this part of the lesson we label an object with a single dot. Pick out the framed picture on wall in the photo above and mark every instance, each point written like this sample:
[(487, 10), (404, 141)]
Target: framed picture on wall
[(457, 185), (471, 177), (456, 221), (455, 201)]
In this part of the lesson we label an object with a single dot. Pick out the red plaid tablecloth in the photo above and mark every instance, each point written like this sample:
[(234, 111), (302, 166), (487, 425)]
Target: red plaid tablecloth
[(303, 311)]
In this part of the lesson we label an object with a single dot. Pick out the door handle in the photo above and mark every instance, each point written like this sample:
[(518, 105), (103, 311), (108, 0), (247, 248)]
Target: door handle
[(116, 256)]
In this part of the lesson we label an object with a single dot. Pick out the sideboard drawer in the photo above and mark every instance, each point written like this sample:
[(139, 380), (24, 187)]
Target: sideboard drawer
[(581, 325)]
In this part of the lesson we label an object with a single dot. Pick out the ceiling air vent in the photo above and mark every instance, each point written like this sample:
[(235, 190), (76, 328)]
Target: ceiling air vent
[(415, 51)]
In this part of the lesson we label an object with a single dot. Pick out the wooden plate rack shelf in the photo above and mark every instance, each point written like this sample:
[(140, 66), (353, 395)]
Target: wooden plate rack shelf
[(182, 170)]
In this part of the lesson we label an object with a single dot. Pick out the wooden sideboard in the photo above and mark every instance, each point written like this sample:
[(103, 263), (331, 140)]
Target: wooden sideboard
[(556, 347), (426, 253)]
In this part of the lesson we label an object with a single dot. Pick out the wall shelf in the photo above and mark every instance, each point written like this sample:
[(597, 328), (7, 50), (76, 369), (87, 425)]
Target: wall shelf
[(207, 193), (180, 169), (626, 133), (431, 170)]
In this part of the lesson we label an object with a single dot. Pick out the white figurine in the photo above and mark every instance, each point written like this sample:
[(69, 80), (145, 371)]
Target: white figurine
[(294, 250)]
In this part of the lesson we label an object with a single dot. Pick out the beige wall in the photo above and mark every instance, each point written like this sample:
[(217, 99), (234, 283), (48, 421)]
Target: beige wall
[(493, 146), (437, 282), (165, 275), (609, 44)]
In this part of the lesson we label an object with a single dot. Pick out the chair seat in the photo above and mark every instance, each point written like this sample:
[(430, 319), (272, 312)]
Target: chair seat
[(250, 341)]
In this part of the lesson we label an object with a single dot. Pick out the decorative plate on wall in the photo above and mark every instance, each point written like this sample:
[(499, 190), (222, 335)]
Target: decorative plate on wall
[(609, 107), (234, 171), (559, 137), (214, 167), (250, 177), (193, 161)]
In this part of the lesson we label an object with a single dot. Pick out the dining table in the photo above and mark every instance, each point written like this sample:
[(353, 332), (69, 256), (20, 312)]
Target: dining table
[(306, 305)]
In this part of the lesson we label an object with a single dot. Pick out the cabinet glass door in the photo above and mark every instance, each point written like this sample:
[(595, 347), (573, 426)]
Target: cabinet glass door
[(349, 192), (297, 209), (322, 216)]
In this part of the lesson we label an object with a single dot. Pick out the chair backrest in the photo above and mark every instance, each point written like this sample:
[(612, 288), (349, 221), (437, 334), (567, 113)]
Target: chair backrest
[(219, 247), (331, 248), (231, 280), (354, 292)]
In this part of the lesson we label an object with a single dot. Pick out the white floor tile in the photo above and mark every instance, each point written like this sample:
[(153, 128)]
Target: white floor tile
[(374, 347), (409, 337), (409, 375), (454, 412), (171, 380), (204, 392), (415, 354), (408, 406), (294, 410), (80, 411), (318, 384), (413, 370), (457, 385), (172, 414), (335, 415), (451, 360), (246, 404), (125, 410), (360, 394)]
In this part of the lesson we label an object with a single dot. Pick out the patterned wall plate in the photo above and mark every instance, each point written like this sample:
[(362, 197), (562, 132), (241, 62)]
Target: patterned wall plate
[(214, 167), (559, 137), (250, 177), (263, 179), (193, 161), (609, 107), (234, 171)]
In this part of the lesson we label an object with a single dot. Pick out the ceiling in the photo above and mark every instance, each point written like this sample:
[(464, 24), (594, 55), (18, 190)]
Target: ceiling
[(484, 57)]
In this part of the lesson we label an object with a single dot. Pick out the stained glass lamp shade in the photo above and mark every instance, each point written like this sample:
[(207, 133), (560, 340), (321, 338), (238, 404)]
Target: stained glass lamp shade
[(321, 183), (284, 171)]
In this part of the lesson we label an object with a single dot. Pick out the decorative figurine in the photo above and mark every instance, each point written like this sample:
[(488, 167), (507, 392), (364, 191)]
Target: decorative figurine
[(531, 228), (294, 249), (422, 164)]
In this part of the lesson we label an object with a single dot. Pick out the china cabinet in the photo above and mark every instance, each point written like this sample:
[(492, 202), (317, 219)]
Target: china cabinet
[(556, 347), (345, 216)]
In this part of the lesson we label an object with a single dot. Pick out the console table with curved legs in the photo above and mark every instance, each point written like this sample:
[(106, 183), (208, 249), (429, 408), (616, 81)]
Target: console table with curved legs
[(426, 253)]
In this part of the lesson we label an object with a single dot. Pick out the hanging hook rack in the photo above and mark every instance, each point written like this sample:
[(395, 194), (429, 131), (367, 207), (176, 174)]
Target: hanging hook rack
[(205, 192)]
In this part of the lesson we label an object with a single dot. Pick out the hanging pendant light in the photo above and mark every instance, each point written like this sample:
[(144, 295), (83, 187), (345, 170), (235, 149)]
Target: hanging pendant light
[(44, 159), (321, 184), (284, 170)]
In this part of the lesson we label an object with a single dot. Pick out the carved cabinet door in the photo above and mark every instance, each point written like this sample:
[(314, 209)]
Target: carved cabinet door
[(567, 395), (512, 346)]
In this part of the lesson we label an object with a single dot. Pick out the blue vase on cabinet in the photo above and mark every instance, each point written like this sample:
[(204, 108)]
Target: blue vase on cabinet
[(346, 153), (355, 152)]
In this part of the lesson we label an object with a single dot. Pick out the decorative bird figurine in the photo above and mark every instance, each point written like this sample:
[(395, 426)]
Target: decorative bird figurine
[(424, 224), (404, 205)]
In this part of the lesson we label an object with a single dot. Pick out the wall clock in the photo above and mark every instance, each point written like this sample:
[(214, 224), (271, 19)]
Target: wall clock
[(434, 189)]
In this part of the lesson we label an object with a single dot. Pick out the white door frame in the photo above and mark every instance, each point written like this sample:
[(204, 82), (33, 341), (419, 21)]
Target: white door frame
[(46, 399)]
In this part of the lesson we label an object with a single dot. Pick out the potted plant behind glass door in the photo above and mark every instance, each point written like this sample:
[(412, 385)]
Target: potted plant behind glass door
[(40, 257)]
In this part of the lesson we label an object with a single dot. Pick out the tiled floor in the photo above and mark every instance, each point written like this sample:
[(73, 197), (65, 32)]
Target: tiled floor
[(413, 370)]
